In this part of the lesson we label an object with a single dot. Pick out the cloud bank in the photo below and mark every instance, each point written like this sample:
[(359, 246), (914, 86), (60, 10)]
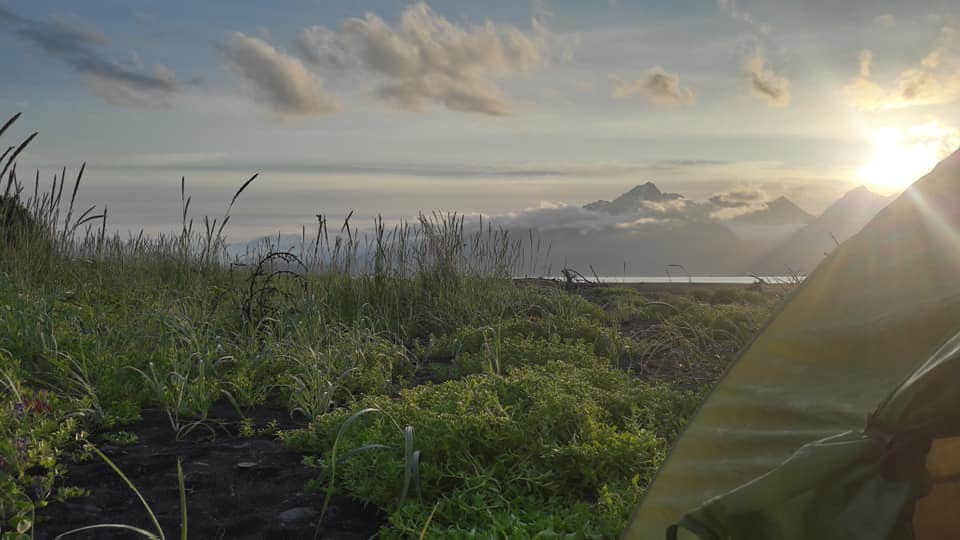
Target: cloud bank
[(128, 84), (425, 58), (276, 79)]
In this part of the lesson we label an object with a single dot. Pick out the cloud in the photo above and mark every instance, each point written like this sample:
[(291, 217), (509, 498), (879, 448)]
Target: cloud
[(945, 47), (885, 21), (322, 46), (667, 209), (276, 79), (764, 82), (867, 95), (557, 217), (569, 219), (733, 212), (425, 58), (658, 86), (935, 81), (738, 198), (733, 204), (127, 84)]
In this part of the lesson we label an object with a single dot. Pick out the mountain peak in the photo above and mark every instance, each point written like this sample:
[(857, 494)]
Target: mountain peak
[(632, 201), (647, 191), (861, 189), (858, 195), (779, 211), (857, 205)]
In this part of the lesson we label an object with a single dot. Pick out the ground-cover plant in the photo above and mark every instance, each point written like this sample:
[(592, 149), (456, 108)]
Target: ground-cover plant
[(521, 449), (569, 325), (502, 356), (35, 432)]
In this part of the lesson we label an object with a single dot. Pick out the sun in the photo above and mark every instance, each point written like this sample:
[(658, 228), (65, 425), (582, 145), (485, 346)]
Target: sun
[(902, 155)]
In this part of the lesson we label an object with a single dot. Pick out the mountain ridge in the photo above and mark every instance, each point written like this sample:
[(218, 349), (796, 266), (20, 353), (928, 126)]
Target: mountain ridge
[(804, 249), (774, 235), (645, 197)]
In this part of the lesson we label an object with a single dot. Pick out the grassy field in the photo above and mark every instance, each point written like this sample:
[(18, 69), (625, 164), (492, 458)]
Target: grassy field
[(419, 377)]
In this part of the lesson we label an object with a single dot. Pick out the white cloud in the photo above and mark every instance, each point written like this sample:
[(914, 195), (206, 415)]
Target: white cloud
[(426, 58), (563, 217), (729, 213), (675, 208), (276, 79), (657, 85), (765, 82)]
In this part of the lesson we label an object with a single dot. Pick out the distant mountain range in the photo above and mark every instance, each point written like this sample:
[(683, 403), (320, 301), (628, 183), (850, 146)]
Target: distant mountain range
[(740, 207), (643, 230)]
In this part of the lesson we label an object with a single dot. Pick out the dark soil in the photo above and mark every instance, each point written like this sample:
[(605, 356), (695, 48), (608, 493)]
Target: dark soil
[(237, 487)]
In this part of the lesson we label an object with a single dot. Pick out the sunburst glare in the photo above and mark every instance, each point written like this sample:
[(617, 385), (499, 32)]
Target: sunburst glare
[(903, 154)]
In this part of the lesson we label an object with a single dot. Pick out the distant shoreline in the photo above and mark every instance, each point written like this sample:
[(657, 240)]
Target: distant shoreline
[(661, 285)]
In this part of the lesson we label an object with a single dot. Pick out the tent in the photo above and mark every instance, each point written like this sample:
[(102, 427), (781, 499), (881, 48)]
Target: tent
[(842, 418)]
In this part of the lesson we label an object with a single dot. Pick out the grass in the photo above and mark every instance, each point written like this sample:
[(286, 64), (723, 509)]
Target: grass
[(427, 381)]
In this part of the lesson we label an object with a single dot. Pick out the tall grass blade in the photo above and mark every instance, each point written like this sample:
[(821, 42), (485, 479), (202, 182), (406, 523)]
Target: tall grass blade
[(153, 517), (141, 532), (9, 123), (333, 459), (423, 532), (13, 157), (183, 501)]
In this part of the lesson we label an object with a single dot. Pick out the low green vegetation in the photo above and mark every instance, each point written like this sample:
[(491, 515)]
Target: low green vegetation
[(427, 381)]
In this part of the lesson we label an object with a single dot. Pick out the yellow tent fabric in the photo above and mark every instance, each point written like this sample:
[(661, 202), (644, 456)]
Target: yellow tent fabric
[(783, 448)]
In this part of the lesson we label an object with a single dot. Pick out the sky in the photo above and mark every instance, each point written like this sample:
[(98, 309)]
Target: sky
[(391, 107)]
